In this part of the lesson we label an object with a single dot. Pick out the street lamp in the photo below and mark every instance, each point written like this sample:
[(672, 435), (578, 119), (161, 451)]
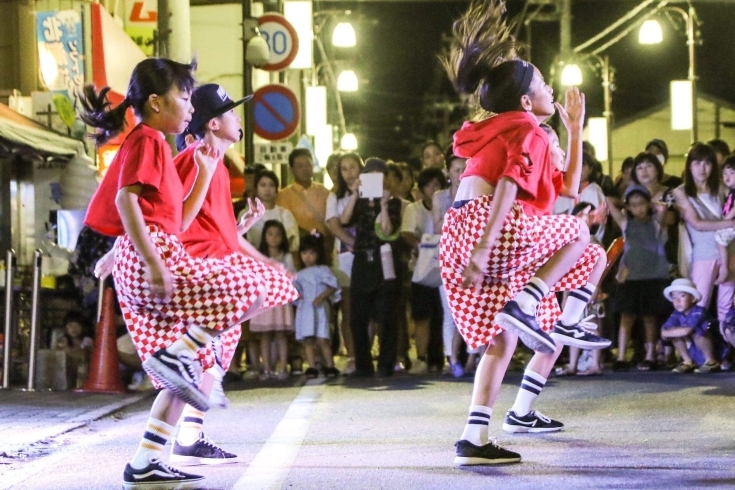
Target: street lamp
[(650, 32), (343, 35), (348, 142), (347, 81), (572, 75)]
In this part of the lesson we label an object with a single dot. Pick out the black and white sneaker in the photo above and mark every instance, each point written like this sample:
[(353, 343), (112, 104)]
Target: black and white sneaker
[(470, 455), (203, 451), (513, 319), (578, 336), (181, 374), (159, 476), (533, 422)]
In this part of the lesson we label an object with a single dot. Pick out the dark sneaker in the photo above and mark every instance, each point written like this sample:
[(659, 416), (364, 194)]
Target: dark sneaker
[(576, 336), (159, 476), (533, 422), (708, 367), (203, 451), (180, 374), (470, 455), (311, 373), (513, 319), (331, 372)]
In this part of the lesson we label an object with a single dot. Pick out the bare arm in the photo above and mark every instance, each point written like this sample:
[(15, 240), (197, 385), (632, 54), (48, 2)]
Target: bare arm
[(346, 216), (617, 214), (689, 215), (386, 227), (322, 297), (159, 277), (207, 160), (572, 115), (436, 213), (505, 195), (334, 226), (411, 238)]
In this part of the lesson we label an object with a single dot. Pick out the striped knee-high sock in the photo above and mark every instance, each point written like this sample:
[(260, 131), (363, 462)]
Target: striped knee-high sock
[(155, 436), (194, 339), (191, 426), (575, 304), (531, 387), (475, 431), (531, 294)]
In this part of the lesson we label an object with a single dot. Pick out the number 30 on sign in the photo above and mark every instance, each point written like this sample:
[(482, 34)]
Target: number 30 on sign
[(282, 40)]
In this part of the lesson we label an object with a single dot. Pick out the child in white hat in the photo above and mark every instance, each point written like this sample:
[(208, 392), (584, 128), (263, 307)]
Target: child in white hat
[(687, 328)]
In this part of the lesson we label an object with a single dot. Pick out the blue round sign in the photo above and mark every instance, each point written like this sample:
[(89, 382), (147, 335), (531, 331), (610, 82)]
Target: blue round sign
[(276, 112)]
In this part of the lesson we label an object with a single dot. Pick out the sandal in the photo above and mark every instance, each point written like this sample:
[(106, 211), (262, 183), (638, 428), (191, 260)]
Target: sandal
[(565, 371), (646, 365)]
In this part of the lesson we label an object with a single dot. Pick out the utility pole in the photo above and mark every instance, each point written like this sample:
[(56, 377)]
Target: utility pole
[(565, 30)]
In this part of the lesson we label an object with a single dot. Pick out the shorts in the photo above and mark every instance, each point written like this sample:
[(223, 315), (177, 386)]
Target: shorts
[(425, 302), (525, 244), (642, 297)]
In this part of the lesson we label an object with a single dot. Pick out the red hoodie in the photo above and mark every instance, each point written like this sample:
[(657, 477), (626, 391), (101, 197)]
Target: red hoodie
[(512, 145)]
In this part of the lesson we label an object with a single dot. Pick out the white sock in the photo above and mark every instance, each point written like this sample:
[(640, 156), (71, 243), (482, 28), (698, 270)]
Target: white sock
[(191, 426), (475, 431), (530, 389), (194, 339), (156, 434), (531, 294), (575, 304)]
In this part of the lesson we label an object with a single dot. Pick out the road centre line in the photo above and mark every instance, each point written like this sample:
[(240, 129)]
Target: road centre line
[(271, 466)]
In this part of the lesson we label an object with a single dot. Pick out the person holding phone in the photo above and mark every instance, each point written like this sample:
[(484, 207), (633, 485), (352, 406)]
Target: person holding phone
[(373, 285)]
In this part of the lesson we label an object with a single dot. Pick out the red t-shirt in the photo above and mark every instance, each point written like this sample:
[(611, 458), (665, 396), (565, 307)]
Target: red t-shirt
[(512, 145), (213, 233), (143, 158)]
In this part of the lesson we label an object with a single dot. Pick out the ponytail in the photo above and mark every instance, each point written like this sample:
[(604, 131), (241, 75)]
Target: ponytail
[(150, 76)]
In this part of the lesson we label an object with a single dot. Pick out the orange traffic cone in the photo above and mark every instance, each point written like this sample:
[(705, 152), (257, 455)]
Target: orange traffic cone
[(104, 374)]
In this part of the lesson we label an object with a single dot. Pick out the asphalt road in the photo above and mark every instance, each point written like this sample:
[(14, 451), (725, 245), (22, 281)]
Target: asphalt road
[(623, 430)]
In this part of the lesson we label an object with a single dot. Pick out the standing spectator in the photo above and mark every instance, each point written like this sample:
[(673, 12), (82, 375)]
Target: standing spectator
[(443, 200), (275, 323), (317, 285), (426, 308), (646, 271), (372, 287), (700, 207), (266, 185), (349, 165), (722, 149), (589, 192), (406, 189), (624, 179), (432, 156), (332, 167), (659, 148), (306, 199)]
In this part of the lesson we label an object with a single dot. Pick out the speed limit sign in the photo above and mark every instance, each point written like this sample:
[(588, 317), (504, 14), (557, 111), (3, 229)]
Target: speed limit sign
[(282, 40)]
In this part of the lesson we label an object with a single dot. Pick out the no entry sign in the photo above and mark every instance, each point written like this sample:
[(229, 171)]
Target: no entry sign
[(276, 112), (282, 40)]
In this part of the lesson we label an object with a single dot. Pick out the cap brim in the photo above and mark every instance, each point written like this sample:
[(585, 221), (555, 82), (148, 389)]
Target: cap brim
[(222, 110)]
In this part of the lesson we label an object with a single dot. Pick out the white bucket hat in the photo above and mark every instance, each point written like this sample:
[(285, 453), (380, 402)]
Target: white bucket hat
[(684, 286)]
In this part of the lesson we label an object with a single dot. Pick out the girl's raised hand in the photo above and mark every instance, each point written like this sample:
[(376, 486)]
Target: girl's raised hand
[(599, 215), (572, 113), (255, 211), (207, 157)]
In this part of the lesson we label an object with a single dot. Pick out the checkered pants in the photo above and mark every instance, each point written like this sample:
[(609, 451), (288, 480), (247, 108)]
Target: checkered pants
[(279, 290), (526, 243), (212, 293)]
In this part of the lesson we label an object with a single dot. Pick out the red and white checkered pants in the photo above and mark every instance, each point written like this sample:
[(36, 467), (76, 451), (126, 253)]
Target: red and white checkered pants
[(211, 293), (279, 290), (526, 243)]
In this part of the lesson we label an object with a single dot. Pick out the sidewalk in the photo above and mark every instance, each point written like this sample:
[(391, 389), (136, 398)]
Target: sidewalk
[(27, 418)]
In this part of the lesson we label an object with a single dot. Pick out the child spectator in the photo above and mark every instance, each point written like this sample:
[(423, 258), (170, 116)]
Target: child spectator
[(276, 322), (724, 237), (316, 283), (78, 347), (266, 189), (646, 271), (687, 328)]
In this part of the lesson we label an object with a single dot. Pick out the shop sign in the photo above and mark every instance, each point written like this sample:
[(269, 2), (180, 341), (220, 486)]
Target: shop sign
[(141, 22), (60, 50)]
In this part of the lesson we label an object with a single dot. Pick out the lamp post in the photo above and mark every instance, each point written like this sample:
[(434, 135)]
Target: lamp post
[(572, 75)]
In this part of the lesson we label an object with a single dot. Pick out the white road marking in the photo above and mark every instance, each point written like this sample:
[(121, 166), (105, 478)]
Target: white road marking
[(273, 462)]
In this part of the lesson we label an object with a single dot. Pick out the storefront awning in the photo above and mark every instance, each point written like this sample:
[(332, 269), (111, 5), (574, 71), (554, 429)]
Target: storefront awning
[(21, 130)]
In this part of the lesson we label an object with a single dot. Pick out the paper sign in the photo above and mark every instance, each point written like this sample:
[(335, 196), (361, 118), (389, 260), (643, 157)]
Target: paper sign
[(371, 185)]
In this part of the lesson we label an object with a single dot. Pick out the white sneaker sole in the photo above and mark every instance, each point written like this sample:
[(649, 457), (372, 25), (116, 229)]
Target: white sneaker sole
[(177, 485), (465, 461), (519, 429), (582, 344), (173, 381), (196, 461), (528, 336)]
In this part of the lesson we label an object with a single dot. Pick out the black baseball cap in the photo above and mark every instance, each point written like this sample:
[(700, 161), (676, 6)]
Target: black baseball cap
[(210, 100)]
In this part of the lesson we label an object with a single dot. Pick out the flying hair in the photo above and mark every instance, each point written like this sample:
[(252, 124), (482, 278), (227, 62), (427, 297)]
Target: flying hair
[(482, 39)]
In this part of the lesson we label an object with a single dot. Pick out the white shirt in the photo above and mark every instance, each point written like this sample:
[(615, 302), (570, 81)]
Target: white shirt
[(417, 219), (255, 233)]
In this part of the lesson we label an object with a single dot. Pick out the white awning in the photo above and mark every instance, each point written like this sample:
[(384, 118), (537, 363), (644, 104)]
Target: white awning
[(21, 130)]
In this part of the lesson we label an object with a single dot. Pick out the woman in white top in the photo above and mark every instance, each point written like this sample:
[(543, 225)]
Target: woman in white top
[(426, 309), (350, 165), (700, 205), (266, 189)]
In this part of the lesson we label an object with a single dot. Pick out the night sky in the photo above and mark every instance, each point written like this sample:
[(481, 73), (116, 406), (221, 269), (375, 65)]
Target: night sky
[(396, 62)]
